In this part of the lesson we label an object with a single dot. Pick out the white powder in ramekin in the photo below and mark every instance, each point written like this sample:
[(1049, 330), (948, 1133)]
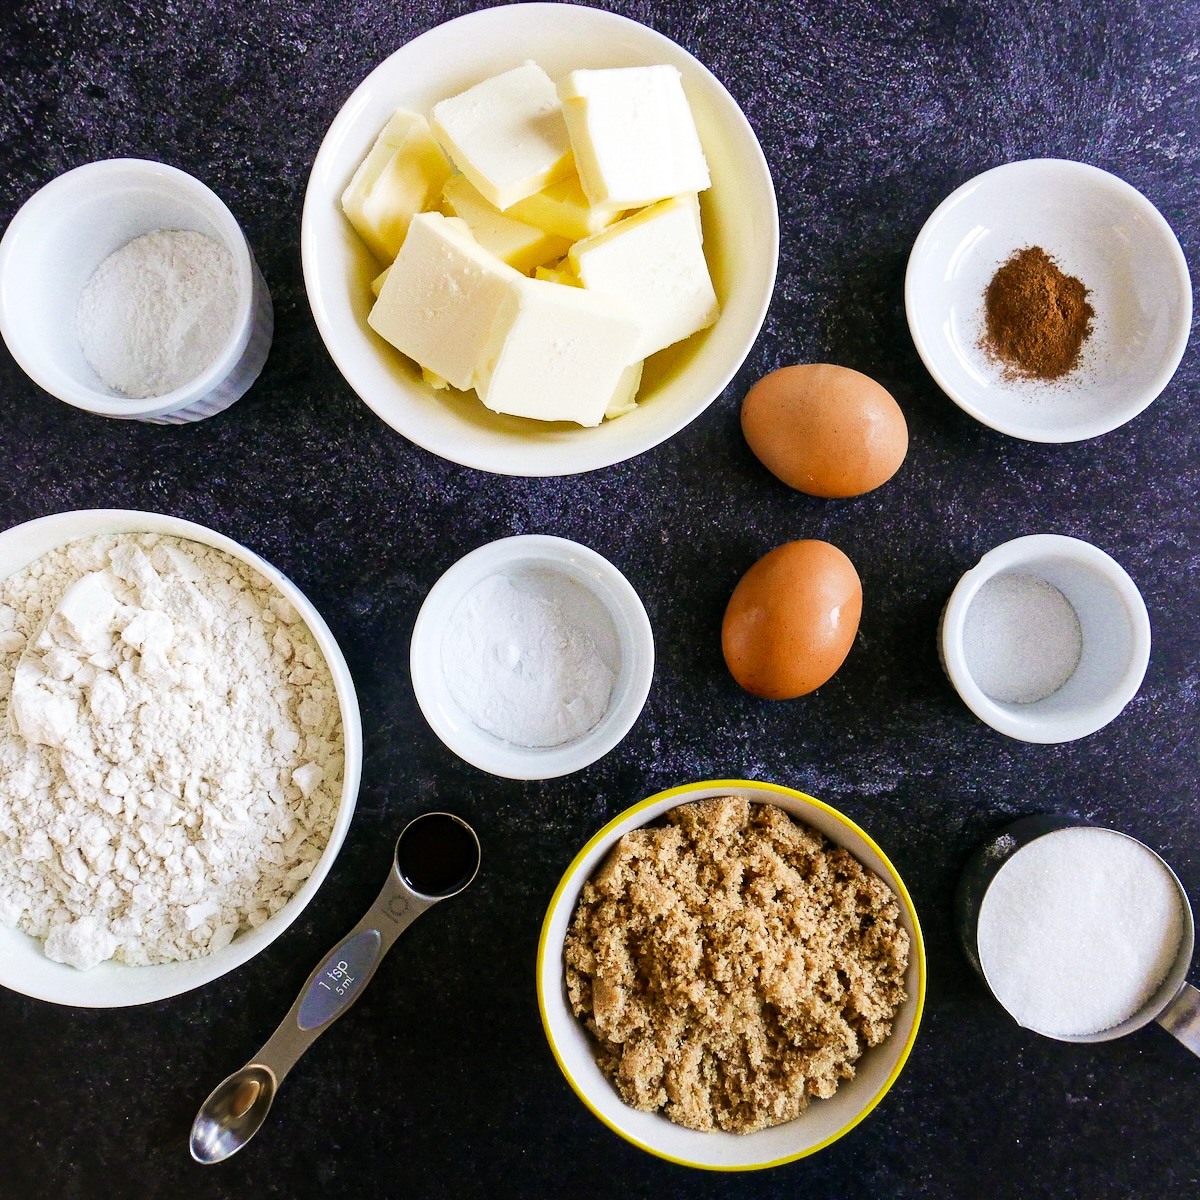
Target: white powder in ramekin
[(1022, 638), (523, 666), (156, 312)]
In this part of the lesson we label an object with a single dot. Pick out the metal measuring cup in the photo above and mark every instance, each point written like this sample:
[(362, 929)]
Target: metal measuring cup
[(1175, 1004)]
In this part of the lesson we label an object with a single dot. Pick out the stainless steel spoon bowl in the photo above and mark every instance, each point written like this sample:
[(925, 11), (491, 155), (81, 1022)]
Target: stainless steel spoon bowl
[(437, 856)]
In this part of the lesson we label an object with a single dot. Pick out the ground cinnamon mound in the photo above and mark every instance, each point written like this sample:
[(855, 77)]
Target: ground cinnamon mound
[(1037, 318), (732, 964)]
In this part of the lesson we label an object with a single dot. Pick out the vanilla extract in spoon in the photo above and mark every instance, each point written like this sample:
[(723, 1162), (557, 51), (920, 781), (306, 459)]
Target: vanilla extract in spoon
[(438, 855)]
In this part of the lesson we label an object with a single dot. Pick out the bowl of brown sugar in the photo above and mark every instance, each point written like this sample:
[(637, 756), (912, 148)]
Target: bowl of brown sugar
[(731, 975), (1049, 299)]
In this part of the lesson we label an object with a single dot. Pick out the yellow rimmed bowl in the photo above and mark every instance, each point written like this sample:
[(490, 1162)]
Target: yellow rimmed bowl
[(824, 1121)]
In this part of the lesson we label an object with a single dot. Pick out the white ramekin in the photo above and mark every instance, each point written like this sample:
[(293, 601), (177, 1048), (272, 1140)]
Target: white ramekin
[(66, 230), (606, 600), (1115, 635)]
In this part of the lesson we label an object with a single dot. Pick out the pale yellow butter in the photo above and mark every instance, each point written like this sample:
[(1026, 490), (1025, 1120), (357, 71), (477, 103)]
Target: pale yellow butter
[(440, 301), (507, 134), (633, 135), (624, 399), (563, 208), (403, 173), (558, 354), (520, 245), (559, 272), (653, 262)]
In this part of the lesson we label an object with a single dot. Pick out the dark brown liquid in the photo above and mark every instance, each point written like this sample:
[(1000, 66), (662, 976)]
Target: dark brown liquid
[(437, 854)]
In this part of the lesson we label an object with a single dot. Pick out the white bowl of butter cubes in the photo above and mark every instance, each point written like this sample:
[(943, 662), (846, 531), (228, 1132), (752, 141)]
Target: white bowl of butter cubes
[(539, 239)]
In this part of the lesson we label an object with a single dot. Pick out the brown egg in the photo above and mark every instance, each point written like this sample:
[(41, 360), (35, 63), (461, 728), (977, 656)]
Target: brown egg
[(792, 619), (825, 430)]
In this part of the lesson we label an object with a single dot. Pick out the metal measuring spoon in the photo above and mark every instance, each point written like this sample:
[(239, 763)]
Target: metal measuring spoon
[(437, 856)]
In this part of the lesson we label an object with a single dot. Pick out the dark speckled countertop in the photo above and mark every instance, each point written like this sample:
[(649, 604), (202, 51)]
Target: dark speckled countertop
[(440, 1083)]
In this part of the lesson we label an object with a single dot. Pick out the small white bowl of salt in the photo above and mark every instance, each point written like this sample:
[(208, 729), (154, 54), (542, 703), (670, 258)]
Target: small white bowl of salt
[(1046, 639), (1082, 933), (128, 289), (532, 657)]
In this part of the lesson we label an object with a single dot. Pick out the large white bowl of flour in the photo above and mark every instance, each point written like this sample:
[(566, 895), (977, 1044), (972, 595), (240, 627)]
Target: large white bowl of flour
[(102, 829)]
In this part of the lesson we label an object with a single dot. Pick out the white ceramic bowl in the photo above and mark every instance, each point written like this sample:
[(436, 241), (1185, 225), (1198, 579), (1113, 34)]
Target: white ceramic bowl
[(23, 966), (66, 230), (594, 593), (1097, 228), (1113, 626), (824, 1121), (741, 229)]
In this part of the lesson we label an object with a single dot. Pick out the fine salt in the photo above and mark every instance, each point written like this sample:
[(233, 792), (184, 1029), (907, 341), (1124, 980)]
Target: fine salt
[(157, 311), (1021, 638), (523, 665), (1078, 930)]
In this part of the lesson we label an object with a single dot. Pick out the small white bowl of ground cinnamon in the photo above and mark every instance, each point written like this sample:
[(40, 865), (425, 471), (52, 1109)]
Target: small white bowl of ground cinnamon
[(1049, 299), (731, 975)]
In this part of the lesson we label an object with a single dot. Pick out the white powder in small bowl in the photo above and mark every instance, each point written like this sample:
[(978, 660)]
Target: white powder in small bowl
[(1022, 639), (521, 661), (157, 312), (1078, 930)]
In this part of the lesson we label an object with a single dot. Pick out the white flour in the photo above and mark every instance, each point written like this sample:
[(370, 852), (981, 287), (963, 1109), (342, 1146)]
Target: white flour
[(170, 750), (522, 667), (157, 311)]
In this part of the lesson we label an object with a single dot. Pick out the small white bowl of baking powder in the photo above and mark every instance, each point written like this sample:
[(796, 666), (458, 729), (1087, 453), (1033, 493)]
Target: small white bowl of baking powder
[(1046, 639), (532, 657), (128, 289)]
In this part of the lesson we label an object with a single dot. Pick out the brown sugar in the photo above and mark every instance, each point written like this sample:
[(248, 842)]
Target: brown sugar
[(1037, 318), (732, 964)]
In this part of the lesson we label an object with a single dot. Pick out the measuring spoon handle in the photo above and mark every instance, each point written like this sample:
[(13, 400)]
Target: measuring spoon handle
[(1182, 1017), (339, 979)]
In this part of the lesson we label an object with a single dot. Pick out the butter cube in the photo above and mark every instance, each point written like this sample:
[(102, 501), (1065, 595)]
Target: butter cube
[(633, 135), (522, 246), (507, 134), (624, 399), (563, 208), (653, 262), (402, 174), (559, 272), (441, 298), (559, 353)]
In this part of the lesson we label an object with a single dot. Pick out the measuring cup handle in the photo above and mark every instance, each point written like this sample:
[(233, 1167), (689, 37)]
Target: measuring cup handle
[(340, 978), (1182, 1017)]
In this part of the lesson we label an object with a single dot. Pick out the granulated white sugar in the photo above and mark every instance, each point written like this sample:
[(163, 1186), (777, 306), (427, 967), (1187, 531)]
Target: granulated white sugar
[(1078, 929), (1021, 638)]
